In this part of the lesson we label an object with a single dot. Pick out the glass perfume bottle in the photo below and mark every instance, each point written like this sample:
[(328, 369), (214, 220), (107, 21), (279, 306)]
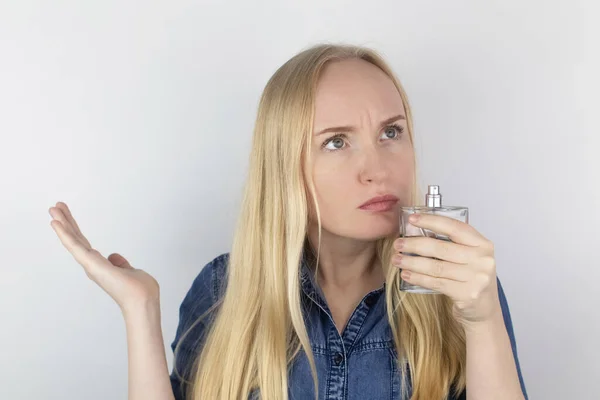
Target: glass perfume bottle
[(433, 205)]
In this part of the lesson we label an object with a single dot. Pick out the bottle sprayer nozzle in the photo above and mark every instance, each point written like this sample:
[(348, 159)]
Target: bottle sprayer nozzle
[(433, 198)]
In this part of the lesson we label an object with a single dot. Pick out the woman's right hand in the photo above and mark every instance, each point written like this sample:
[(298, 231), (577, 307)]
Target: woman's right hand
[(128, 286)]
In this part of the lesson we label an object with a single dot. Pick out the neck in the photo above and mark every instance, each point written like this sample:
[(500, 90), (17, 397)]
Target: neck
[(346, 265)]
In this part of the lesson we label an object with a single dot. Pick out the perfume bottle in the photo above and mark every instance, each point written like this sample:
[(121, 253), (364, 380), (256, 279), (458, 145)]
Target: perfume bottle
[(433, 205)]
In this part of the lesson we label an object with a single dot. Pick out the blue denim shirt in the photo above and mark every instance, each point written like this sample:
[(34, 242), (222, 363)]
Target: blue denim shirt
[(359, 364)]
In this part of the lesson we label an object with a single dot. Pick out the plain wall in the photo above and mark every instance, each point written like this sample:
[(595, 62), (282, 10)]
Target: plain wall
[(139, 116)]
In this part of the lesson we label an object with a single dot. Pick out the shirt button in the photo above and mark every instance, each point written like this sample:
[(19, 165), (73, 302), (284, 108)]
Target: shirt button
[(338, 358)]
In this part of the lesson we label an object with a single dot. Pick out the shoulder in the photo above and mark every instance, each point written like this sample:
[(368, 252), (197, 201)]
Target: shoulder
[(206, 289), (211, 280), (200, 302)]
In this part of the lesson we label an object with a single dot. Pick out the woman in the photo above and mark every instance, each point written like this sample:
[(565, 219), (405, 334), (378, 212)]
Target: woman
[(307, 303)]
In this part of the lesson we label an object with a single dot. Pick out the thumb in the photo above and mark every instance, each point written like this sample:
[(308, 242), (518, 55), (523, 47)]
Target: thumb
[(119, 261)]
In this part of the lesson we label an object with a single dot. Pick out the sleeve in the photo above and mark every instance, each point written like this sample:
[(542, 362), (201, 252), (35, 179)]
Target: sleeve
[(199, 299), (511, 334)]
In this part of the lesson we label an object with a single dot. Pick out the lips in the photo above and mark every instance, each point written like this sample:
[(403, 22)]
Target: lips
[(389, 198)]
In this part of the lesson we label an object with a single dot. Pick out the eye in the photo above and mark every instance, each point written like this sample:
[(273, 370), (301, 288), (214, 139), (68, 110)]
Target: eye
[(399, 129), (336, 140), (393, 132)]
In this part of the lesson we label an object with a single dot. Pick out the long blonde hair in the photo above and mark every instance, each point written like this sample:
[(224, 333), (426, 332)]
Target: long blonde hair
[(259, 328)]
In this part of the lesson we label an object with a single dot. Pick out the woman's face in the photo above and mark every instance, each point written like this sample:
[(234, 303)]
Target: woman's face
[(370, 156)]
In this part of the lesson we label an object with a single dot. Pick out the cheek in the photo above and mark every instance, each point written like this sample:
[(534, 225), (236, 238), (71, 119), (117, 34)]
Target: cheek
[(331, 183), (404, 152), (334, 191), (402, 164)]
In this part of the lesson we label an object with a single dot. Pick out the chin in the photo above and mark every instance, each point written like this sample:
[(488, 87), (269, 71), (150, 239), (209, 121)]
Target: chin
[(378, 231)]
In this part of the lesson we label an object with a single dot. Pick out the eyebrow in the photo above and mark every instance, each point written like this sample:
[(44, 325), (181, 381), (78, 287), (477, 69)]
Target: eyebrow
[(351, 128)]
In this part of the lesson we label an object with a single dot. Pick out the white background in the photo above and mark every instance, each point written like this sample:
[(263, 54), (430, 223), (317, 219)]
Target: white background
[(139, 116)]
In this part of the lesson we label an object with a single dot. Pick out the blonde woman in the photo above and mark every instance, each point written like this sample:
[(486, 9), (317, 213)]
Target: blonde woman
[(307, 303)]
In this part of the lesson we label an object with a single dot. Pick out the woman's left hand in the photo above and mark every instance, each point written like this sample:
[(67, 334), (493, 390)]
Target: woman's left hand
[(464, 269)]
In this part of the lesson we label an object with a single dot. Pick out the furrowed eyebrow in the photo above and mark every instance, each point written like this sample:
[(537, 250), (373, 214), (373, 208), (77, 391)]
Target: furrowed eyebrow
[(351, 128)]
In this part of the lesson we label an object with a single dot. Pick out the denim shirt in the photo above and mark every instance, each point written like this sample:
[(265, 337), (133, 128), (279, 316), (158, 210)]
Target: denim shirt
[(359, 364)]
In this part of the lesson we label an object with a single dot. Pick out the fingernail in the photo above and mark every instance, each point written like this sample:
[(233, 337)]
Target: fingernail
[(399, 244), (414, 217)]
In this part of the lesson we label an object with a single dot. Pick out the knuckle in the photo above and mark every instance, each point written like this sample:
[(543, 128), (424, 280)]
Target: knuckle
[(445, 249), (484, 279), (415, 243), (456, 230), (438, 268), (437, 284), (487, 246), (474, 294), (489, 263)]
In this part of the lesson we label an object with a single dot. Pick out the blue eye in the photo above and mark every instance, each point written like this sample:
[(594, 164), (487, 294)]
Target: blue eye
[(336, 138), (339, 137)]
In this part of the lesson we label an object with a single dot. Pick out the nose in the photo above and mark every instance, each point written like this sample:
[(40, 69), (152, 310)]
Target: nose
[(373, 169)]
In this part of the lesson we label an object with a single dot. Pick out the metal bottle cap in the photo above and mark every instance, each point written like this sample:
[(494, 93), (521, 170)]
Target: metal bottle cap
[(433, 198)]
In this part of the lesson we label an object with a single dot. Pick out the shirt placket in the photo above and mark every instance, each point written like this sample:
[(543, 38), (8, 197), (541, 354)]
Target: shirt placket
[(338, 345)]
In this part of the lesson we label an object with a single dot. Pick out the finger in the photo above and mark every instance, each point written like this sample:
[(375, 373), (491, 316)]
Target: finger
[(436, 248), (84, 256), (458, 231), (433, 267), (59, 215), (67, 212), (119, 261), (69, 216), (448, 287)]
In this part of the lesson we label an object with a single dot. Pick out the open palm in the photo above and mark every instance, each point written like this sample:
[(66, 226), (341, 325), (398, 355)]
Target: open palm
[(128, 286)]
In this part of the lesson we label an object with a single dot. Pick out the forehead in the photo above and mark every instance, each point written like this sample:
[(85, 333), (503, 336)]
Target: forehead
[(352, 89)]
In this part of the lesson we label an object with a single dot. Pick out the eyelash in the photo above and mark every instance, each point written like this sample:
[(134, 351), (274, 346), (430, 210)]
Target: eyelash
[(398, 128)]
